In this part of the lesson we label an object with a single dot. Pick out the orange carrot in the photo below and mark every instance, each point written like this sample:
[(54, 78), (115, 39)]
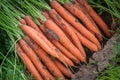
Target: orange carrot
[(48, 17), (34, 58), (44, 57), (28, 63), (96, 17), (22, 21), (72, 20), (42, 41), (80, 14), (58, 45), (64, 40), (63, 69), (85, 41), (45, 13), (33, 34), (51, 76), (31, 23), (76, 4), (66, 28)]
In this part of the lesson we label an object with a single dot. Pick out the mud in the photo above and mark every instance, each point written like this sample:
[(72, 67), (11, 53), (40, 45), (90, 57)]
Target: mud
[(97, 62)]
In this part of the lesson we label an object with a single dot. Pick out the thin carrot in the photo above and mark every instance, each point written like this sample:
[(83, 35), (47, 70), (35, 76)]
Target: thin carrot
[(44, 57), (72, 20), (64, 40), (34, 58), (76, 4), (31, 23), (96, 17), (22, 21), (28, 63), (42, 41), (63, 69), (85, 41), (80, 14), (58, 45), (66, 28)]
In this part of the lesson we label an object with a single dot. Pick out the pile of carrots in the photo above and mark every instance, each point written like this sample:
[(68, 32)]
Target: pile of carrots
[(49, 49)]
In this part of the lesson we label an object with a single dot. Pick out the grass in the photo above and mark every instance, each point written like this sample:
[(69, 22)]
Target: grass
[(12, 68)]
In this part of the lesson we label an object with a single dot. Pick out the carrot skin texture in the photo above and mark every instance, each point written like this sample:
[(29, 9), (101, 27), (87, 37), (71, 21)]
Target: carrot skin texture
[(44, 57), (96, 17), (72, 20), (64, 40), (63, 69), (58, 45), (28, 63), (66, 28)]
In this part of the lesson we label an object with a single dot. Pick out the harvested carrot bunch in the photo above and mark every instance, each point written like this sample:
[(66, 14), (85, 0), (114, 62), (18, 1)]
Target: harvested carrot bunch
[(55, 36)]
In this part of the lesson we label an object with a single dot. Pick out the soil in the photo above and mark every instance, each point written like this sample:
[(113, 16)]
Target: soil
[(97, 62)]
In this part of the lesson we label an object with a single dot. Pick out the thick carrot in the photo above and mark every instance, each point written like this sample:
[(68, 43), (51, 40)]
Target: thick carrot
[(34, 58), (76, 4), (44, 57), (72, 20), (64, 40), (66, 28), (58, 45), (28, 63), (31, 23), (96, 17), (63, 69), (85, 41)]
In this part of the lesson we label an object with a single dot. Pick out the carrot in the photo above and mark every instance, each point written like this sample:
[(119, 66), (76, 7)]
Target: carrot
[(31, 23), (85, 41), (66, 28), (63, 69), (58, 45), (64, 40), (34, 35), (45, 13), (28, 63), (34, 58), (45, 44), (22, 21), (96, 17), (76, 4), (44, 57), (80, 14), (51, 76), (72, 20)]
